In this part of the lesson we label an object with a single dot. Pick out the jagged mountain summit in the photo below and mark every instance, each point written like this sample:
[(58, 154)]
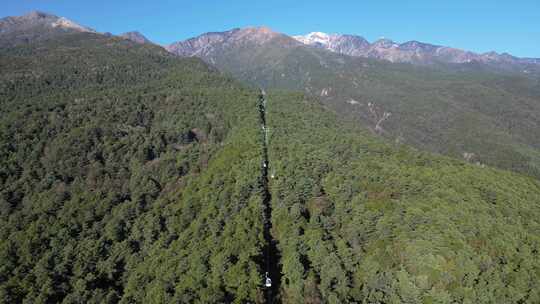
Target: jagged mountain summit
[(34, 26), (415, 52), (207, 43), (39, 26), (344, 44), (135, 36), (411, 51)]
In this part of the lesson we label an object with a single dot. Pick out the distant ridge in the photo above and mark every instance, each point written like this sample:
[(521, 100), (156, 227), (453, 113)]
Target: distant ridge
[(410, 51), (135, 36), (206, 43), (352, 45), (38, 25)]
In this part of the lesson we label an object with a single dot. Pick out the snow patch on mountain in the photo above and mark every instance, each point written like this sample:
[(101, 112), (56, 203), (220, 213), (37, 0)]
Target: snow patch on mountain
[(68, 24), (411, 51), (315, 37)]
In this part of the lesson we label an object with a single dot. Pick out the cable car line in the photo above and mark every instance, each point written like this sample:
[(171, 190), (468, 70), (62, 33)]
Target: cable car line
[(272, 269)]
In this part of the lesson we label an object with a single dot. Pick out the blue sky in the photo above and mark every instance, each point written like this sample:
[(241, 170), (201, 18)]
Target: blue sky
[(477, 25)]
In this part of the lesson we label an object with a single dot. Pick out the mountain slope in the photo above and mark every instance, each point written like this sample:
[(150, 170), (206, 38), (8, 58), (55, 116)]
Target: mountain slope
[(359, 221), (471, 110), (126, 175)]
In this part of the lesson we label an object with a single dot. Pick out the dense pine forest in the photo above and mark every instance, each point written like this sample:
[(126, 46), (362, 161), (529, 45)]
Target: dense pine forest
[(360, 221), (129, 175)]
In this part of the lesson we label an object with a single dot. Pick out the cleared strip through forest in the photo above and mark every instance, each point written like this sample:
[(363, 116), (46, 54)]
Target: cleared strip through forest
[(271, 253)]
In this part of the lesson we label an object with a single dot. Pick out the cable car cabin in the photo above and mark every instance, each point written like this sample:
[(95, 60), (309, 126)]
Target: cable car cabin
[(267, 281)]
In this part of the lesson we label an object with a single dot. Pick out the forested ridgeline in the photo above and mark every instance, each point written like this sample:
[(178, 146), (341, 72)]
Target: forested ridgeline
[(126, 175), (361, 221)]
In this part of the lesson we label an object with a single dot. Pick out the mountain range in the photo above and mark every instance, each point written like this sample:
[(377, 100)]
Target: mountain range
[(411, 51), (484, 110), (129, 174), (353, 45), (479, 107)]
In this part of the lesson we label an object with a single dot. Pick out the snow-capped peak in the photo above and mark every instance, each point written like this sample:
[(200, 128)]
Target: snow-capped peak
[(314, 38)]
